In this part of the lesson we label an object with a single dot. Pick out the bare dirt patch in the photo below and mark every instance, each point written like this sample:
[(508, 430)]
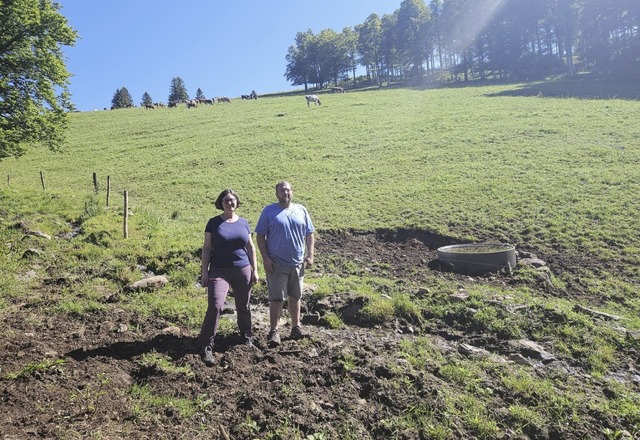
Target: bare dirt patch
[(90, 376)]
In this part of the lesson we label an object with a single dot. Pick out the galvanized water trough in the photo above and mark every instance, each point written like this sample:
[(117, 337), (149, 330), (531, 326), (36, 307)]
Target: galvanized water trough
[(477, 258)]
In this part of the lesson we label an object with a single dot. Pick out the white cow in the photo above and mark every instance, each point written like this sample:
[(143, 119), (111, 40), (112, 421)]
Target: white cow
[(314, 99)]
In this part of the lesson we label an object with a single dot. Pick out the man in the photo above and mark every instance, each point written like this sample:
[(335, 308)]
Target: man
[(284, 233)]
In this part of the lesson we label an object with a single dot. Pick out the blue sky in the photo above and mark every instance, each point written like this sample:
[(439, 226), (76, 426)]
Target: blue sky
[(225, 48)]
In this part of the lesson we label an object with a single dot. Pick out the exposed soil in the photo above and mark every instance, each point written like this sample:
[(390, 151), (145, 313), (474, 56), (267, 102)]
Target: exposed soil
[(335, 381)]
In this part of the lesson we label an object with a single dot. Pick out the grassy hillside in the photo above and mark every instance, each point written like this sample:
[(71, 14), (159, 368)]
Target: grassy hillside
[(387, 175), (552, 175)]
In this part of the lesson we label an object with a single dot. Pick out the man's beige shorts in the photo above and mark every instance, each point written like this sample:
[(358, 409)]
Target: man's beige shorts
[(285, 281)]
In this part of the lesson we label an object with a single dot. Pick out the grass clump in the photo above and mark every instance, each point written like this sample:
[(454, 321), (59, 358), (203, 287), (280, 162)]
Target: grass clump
[(147, 403), (47, 365), (90, 396), (525, 419), (378, 310), (180, 306), (163, 364), (421, 353), (332, 320)]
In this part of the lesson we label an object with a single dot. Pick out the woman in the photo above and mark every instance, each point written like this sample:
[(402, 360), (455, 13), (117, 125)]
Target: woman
[(228, 260)]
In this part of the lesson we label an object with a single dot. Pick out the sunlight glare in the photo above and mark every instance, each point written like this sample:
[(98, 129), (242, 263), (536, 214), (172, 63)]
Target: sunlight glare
[(475, 19)]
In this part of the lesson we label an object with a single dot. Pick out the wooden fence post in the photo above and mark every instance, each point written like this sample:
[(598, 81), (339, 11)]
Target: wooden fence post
[(95, 182), (108, 189), (44, 188), (126, 214)]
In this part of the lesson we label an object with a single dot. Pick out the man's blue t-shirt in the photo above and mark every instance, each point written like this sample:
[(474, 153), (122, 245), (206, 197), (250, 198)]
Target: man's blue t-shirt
[(229, 242), (285, 231)]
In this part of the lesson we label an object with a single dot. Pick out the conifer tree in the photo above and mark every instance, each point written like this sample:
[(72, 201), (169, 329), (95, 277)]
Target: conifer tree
[(178, 91), (146, 99), (122, 99)]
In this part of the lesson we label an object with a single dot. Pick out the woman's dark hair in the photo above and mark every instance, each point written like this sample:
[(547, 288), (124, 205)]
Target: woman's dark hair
[(218, 201)]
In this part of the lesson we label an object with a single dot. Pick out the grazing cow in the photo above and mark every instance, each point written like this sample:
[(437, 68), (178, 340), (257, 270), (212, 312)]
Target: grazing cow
[(223, 99), (253, 95), (314, 99), (337, 90), (192, 104), (173, 104), (207, 101), (149, 106), (245, 96)]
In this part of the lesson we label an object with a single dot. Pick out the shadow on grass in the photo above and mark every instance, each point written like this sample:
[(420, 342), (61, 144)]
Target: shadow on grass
[(429, 239), (176, 347), (579, 87), (583, 86)]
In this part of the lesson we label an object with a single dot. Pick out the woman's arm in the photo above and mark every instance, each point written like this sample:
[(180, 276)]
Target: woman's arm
[(251, 253), (205, 257)]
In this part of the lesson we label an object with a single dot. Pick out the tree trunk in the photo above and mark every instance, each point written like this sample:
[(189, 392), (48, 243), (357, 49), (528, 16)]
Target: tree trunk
[(567, 24)]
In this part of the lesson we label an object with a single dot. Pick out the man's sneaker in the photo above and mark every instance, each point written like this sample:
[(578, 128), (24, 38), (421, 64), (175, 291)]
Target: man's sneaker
[(273, 340), (297, 333), (248, 342), (207, 356)]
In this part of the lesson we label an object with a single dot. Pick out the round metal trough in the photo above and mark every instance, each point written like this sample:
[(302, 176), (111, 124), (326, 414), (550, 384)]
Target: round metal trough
[(477, 258)]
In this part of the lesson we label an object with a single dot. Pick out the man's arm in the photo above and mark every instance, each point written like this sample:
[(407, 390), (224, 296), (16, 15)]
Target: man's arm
[(310, 246), (266, 260)]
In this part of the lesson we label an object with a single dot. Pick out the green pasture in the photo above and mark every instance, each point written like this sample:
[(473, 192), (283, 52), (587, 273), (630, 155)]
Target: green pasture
[(554, 173), (548, 174)]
